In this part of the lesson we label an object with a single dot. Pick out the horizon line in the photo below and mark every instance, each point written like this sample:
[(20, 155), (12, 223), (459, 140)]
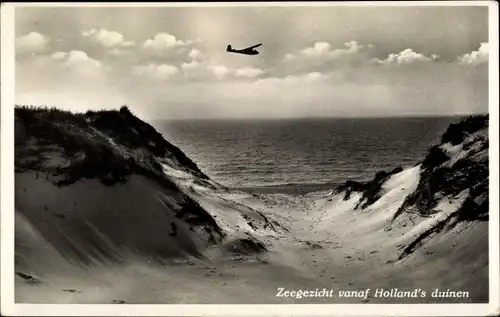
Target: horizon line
[(324, 117)]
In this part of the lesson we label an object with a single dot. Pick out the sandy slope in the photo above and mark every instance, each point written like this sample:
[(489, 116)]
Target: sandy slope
[(323, 244), (93, 220)]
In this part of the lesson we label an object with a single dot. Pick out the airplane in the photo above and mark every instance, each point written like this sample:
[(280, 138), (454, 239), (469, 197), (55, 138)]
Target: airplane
[(248, 51)]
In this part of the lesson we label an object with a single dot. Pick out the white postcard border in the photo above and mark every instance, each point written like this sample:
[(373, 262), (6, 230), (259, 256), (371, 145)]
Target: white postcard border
[(9, 307)]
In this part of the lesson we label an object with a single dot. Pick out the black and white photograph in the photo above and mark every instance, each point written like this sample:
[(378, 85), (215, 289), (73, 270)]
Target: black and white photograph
[(171, 154)]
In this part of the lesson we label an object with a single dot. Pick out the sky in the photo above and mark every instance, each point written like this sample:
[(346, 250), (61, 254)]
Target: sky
[(336, 61)]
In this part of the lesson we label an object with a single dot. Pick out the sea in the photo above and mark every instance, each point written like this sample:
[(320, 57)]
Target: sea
[(297, 156)]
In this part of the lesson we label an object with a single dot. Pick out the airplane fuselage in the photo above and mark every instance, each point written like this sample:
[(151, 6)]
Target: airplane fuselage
[(247, 51), (250, 52)]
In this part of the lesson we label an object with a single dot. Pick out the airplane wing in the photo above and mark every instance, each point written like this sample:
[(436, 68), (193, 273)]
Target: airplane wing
[(252, 47)]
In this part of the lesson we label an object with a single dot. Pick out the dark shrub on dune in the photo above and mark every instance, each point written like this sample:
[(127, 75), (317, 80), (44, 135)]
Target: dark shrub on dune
[(434, 158), (457, 132), (371, 190), (470, 173), (87, 140), (126, 129)]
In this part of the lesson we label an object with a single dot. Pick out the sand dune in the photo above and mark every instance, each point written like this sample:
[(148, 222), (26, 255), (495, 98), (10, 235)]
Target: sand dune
[(152, 228), (87, 220)]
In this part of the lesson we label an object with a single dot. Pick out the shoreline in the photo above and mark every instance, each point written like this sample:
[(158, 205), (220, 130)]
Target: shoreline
[(288, 189)]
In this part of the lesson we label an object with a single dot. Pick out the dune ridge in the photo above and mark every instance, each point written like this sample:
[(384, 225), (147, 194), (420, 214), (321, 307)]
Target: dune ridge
[(95, 187)]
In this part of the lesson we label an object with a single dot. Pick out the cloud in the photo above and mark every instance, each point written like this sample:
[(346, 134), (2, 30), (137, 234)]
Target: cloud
[(319, 49), (407, 56), (248, 72), (66, 79), (79, 63), (289, 57), (33, 42), (220, 71), (191, 65), (321, 79), (115, 52), (197, 60), (207, 71), (204, 71), (202, 67), (309, 78), (195, 54), (75, 58), (476, 57), (352, 47), (155, 71), (59, 55), (324, 50), (107, 39), (73, 67), (164, 42), (322, 57)]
